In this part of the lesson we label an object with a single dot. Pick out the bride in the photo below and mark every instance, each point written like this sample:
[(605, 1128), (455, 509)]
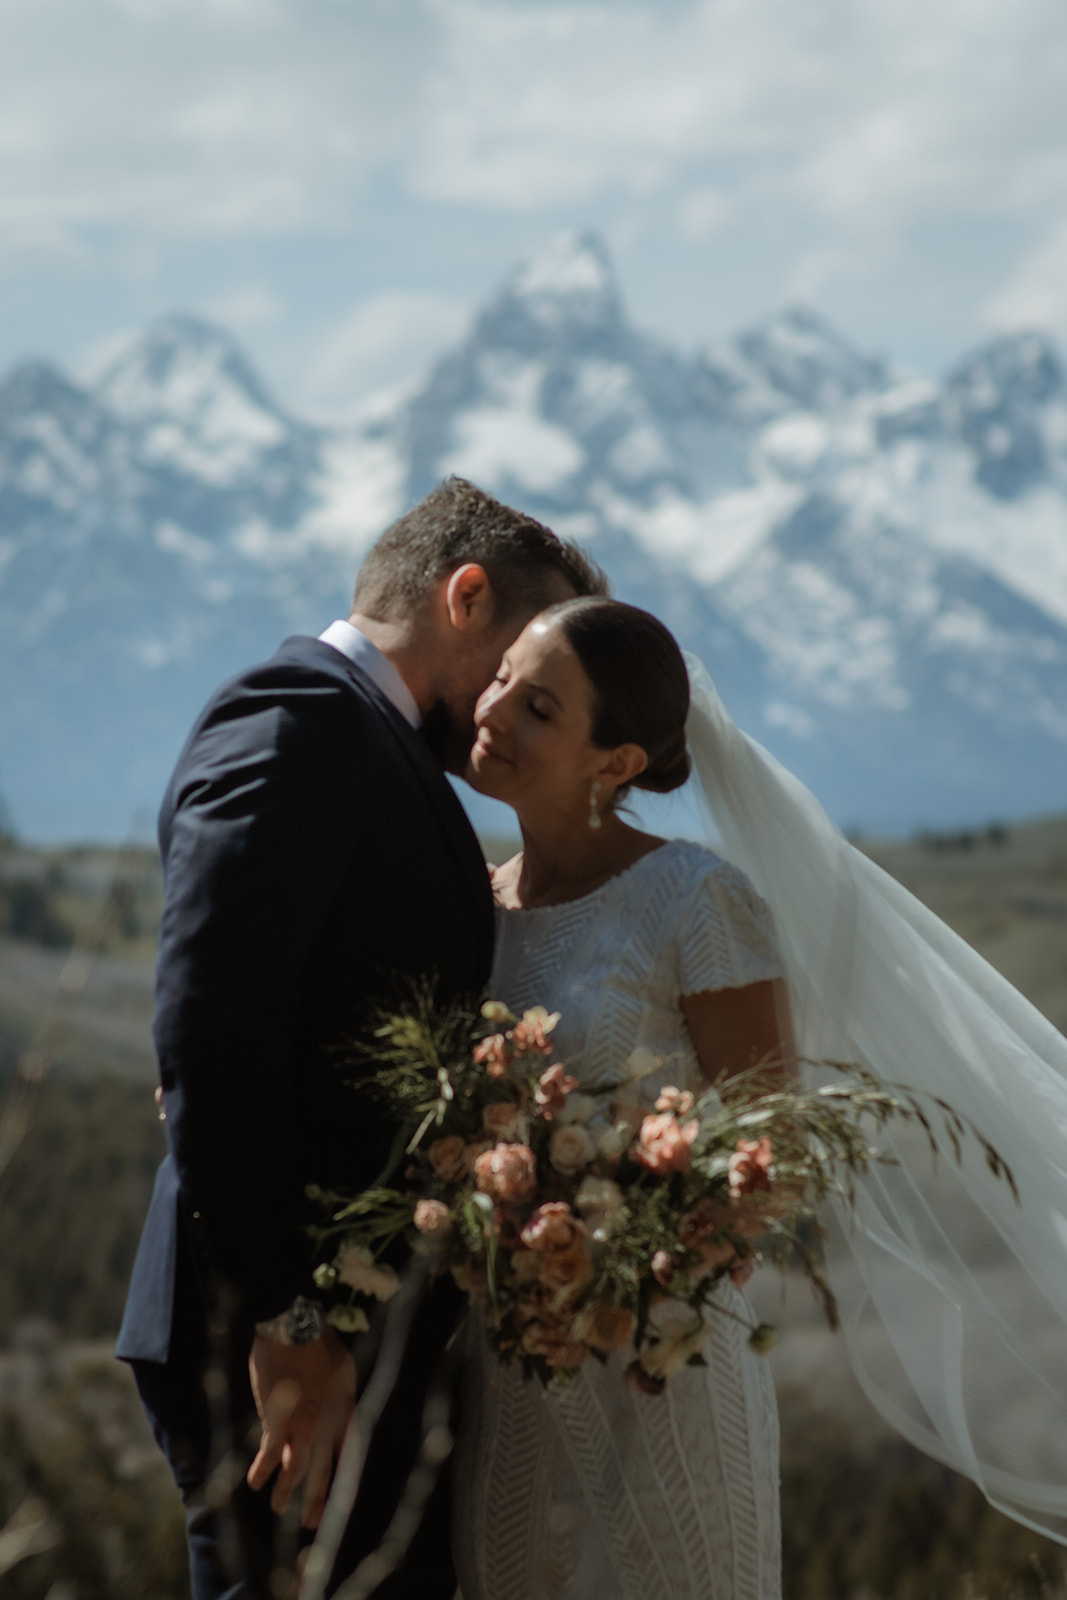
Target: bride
[(644, 946), (662, 955)]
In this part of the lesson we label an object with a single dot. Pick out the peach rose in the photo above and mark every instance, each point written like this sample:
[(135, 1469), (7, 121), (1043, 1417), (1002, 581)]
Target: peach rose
[(701, 1230), (431, 1216), (530, 1036), (680, 1101), (548, 1332), (664, 1144), (492, 1053), (570, 1148), (552, 1090), (501, 1121), (603, 1326), (448, 1158), (562, 1241), (750, 1168), (507, 1173)]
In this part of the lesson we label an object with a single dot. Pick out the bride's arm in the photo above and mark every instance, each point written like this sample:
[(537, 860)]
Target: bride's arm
[(734, 1030)]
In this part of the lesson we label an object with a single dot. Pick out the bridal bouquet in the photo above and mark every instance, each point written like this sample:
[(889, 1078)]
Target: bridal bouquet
[(584, 1224)]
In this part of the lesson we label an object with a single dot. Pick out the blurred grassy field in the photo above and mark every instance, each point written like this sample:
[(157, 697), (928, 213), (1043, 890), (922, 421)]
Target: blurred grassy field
[(865, 1517)]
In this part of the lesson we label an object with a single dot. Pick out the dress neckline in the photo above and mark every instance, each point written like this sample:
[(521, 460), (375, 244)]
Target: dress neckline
[(585, 899)]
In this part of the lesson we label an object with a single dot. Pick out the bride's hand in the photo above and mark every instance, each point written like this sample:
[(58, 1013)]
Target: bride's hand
[(305, 1396)]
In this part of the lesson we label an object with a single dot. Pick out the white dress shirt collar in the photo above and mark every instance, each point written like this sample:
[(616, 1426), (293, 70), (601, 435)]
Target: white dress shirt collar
[(357, 647)]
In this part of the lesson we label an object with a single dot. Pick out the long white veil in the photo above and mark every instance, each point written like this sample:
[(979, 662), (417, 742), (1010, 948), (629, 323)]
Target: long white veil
[(953, 1296)]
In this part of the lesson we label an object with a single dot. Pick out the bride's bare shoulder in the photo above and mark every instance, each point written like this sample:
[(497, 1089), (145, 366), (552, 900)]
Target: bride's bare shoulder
[(505, 880)]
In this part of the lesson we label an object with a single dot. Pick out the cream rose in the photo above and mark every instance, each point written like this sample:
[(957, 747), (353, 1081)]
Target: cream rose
[(357, 1268), (570, 1148)]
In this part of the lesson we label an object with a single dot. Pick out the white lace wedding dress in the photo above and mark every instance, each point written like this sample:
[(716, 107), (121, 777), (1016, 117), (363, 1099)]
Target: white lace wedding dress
[(590, 1491)]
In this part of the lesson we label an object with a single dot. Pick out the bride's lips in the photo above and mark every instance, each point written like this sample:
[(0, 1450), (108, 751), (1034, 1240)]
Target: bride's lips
[(485, 750)]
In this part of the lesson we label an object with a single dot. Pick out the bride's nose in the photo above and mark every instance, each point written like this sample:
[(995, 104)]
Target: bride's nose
[(487, 711)]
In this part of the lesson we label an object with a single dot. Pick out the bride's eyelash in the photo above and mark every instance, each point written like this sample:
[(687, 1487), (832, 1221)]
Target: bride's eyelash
[(542, 716)]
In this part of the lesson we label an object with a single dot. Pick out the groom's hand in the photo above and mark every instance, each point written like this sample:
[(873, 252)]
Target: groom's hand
[(305, 1395)]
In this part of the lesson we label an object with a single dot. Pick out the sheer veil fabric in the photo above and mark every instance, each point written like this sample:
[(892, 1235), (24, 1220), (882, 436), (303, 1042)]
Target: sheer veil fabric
[(953, 1296)]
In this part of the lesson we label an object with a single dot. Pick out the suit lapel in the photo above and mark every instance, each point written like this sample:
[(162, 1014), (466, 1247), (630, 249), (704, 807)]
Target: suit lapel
[(459, 834)]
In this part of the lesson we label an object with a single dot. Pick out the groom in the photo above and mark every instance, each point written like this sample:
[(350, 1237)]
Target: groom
[(316, 862)]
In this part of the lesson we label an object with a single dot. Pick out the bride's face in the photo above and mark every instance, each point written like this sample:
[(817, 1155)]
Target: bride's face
[(533, 748)]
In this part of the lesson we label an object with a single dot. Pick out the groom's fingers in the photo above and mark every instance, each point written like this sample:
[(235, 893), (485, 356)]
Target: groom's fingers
[(278, 1409), (326, 1444), (294, 1463), (317, 1483)]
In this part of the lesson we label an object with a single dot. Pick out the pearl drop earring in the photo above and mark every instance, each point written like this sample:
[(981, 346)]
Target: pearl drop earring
[(594, 814)]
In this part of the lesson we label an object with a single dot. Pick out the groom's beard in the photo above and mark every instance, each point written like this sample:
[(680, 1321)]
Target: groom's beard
[(449, 736)]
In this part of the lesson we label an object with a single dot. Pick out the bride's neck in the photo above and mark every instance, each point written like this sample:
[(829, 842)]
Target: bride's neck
[(563, 863)]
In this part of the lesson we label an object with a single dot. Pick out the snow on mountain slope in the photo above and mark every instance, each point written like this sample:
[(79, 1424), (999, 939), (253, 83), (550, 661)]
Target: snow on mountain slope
[(874, 564)]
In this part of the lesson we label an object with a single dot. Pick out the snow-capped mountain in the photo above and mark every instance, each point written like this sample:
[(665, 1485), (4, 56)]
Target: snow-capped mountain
[(873, 565)]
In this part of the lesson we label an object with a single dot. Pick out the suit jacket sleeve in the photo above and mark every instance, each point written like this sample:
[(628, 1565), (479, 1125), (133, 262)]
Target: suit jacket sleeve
[(268, 805)]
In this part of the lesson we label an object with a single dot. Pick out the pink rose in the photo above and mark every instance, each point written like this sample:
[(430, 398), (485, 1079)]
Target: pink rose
[(562, 1241), (501, 1121), (570, 1148), (448, 1158), (432, 1216), (664, 1144), (552, 1090), (507, 1173), (750, 1168), (492, 1053)]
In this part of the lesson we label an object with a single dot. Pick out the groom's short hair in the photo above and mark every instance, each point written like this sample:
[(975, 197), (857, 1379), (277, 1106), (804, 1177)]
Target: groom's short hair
[(457, 522)]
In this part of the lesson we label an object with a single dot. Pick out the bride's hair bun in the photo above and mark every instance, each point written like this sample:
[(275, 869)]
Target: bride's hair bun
[(669, 771), (640, 685)]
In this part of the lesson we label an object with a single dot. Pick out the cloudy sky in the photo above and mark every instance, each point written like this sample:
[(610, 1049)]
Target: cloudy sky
[(342, 181)]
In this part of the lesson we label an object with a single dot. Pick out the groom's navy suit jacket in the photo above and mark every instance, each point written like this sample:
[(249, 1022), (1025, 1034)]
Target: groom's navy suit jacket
[(316, 860)]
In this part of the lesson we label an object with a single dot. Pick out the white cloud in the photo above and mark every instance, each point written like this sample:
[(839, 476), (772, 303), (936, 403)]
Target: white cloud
[(1036, 294), (703, 212), (385, 340), (269, 116), (251, 305)]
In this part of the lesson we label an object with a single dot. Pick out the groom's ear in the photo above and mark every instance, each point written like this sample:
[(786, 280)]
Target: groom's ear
[(468, 598)]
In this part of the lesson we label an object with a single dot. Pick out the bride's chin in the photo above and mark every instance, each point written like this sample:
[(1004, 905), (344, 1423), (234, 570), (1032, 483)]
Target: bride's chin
[(478, 780)]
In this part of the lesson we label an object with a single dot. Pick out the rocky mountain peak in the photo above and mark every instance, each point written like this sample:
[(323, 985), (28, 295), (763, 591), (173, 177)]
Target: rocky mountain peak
[(180, 368), (993, 402), (566, 297), (807, 361)]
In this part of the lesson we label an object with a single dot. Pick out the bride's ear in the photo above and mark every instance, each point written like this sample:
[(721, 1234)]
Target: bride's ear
[(622, 765)]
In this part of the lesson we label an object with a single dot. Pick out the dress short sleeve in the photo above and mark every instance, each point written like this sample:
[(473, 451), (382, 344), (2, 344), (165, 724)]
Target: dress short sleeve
[(727, 937)]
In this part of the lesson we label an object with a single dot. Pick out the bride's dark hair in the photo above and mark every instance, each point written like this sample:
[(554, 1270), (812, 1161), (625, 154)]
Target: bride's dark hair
[(640, 685)]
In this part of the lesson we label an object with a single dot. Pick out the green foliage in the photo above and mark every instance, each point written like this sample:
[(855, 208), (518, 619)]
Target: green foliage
[(72, 1203), (78, 1449)]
